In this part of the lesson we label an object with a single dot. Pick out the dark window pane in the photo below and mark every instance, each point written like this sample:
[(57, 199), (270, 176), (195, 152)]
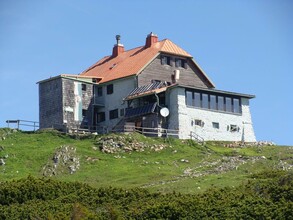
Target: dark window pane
[(189, 98), (169, 60), (110, 89), (221, 103), (205, 100), (83, 87), (234, 128), (121, 112), (178, 62), (213, 103), (113, 114), (228, 104), (236, 106), (216, 125), (198, 122), (163, 60), (100, 91), (101, 117), (197, 102), (84, 112)]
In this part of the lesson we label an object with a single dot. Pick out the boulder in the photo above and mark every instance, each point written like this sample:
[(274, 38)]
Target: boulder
[(2, 162)]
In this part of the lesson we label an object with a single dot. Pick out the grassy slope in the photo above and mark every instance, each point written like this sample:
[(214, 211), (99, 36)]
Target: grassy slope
[(158, 171)]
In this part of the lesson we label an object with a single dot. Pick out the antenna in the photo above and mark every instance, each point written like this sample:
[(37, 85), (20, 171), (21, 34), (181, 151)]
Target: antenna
[(164, 112)]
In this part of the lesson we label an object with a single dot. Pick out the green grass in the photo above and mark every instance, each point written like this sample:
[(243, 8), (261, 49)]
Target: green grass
[(161, 171)]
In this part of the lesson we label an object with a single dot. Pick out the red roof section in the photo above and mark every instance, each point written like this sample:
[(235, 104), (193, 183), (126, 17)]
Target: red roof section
[(131, 62)]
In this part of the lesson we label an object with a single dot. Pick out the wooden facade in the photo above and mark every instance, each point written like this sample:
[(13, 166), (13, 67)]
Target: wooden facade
[(190, 76)]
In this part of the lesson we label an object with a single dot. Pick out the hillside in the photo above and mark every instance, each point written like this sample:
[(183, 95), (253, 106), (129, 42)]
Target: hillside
[(129, 161)]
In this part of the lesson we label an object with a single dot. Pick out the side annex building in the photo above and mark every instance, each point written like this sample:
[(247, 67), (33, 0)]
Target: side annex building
[(157, 86)]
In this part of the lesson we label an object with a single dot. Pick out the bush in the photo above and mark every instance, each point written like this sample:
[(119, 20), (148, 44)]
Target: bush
[(32, 198)]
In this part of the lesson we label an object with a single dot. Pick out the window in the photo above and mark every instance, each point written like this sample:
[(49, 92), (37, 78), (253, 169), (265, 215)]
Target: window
[(198, 122), (197, 101), (189, 100), (100, 91), (122, 112), (113, 114), (110, 89), (156, 81), (221, 103), (205, 100), (180, 62), (210, 100), (216, 125), (83, 87), (234, 128), (84, 112), (213, 103), (166, 60), (228, 104), (236, 105), (101, 117)]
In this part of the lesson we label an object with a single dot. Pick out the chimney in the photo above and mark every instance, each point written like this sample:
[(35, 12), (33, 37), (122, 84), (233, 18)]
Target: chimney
[(118, 48), (151, 39), (175, 76)]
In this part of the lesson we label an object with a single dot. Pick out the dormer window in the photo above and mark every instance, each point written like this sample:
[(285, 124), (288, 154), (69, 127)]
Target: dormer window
[(166, 60), (180, 63)]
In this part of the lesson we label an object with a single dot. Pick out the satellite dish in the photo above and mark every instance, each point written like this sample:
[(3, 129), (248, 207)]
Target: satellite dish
[(164, 112)]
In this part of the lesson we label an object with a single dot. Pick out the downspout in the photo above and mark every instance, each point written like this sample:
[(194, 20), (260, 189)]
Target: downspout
[(158, 103), (158, 100)]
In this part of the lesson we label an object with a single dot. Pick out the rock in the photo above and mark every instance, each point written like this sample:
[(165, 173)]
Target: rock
[(2, 162), (63, 160), (115, 144), (72, 169)]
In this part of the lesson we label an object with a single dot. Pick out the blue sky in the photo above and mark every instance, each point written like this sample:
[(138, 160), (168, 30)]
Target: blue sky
[(243, 46)]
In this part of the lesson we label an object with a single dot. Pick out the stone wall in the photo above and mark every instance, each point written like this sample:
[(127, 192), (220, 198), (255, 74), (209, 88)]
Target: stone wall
[(50, 103), (77, 102), (58, 103)]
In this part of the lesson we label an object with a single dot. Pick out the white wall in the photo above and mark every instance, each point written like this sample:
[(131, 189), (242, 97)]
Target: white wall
[(113, 101), (181, 117)]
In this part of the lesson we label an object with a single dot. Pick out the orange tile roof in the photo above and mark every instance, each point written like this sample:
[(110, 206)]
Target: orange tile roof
[(131, 62)]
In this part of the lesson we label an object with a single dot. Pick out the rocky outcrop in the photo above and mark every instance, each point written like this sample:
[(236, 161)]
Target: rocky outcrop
[(5, 132), (219, 166), (64, 160), (116, 144), (250, 144)]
